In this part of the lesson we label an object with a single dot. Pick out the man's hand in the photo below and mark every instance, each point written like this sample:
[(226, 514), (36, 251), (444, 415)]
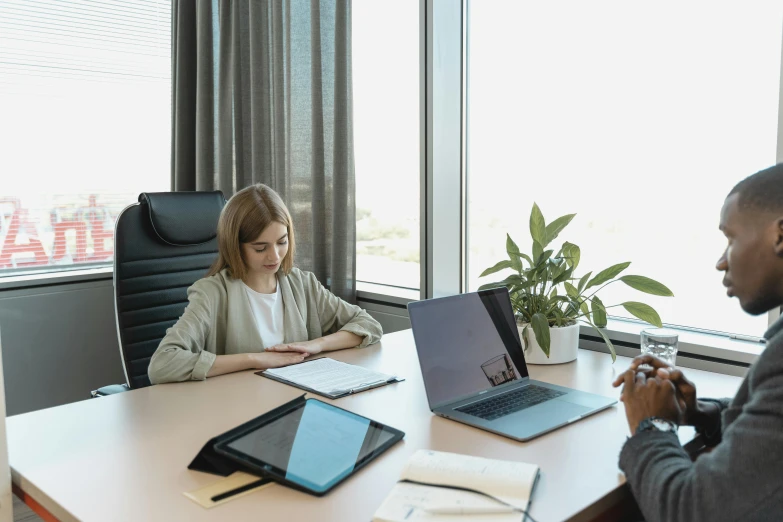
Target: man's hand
[(648, 397), (686, 390), (307, 347)]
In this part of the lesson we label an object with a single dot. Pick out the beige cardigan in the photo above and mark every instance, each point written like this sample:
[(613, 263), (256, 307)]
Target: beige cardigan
[(218, 321)]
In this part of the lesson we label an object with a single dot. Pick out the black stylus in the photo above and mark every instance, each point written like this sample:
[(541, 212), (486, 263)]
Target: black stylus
[(240, 489)]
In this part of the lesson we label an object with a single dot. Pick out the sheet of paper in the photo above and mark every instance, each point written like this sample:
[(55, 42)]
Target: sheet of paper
[(409, 503), (329, 376), (509, 481), (203, 496)]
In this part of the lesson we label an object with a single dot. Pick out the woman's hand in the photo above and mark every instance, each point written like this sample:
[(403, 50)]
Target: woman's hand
[(304, 347), (266, 360)]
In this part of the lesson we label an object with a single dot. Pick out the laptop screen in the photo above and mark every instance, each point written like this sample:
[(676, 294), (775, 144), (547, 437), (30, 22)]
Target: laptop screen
[(466, 343)]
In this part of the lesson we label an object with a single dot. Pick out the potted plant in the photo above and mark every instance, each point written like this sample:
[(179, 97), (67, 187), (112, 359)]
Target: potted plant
[(550, 301)]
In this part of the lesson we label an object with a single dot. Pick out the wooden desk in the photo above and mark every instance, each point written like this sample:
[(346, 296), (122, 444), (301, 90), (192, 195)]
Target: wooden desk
[(125, 457)]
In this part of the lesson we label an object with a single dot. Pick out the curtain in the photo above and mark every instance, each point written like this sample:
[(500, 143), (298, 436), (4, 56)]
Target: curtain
[(262, 93)]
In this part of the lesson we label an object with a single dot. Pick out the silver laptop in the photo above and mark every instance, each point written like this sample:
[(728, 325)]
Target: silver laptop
[(474, 368)]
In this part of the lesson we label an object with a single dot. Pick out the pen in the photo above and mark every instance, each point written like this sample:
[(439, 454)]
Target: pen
[(240, 489), (468, 510)]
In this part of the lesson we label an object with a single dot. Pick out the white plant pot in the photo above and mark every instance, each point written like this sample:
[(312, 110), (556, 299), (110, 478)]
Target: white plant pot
[(564, 342)]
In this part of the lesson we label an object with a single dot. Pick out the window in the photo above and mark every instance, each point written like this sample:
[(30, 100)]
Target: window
[(85, 99), (386, 141), (639, 118)]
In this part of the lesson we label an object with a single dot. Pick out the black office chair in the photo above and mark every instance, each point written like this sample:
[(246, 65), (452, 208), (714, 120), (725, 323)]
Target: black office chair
[(162, 245)]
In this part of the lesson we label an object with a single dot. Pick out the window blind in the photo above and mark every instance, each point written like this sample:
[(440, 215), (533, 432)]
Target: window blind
[(85, 94)]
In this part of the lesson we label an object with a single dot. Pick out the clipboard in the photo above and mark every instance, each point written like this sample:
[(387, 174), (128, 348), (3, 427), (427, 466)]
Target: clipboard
[(333, 393)]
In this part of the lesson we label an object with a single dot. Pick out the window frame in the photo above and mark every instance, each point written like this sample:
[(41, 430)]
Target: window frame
[(702, 350), (443, 209)]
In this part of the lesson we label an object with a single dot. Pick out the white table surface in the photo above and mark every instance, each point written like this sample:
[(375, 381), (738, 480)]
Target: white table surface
[(125, 457)]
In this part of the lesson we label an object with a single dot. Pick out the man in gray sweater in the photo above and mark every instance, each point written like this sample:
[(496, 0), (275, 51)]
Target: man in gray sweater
[(742, 477)]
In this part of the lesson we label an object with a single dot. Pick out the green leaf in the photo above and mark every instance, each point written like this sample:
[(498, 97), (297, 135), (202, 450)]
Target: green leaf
[(572, 253), (491, 285), (553, 293), (513, 251), (571, 289), (543, 258), (643, 312), (606, 340), (524, 336), (599, 312), (514, 279), (537, 226), (565, 276), (584, 309), (583, 282), (537, 249), (516, 262), (556, 267), (523, 312), (540, 326), (605, 275), (497, 268), (555, 227), (572, 310), (557, 299), (559, 320), (511, 247), (646, 285)]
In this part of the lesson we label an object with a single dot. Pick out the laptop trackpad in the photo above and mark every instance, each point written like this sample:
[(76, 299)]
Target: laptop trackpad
[(587, 399), (540, 417)]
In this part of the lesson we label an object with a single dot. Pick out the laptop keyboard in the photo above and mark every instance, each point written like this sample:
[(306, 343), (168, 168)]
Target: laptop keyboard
[(511, 402)]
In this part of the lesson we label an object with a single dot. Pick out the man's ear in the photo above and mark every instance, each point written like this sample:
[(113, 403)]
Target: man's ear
[(779, 237)]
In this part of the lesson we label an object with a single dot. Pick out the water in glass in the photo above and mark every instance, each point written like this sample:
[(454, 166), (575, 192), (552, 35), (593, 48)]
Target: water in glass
[(661, 343)]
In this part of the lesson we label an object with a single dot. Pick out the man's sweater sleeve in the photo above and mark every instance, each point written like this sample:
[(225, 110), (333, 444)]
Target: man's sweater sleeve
[(739, 480), (710, 426)]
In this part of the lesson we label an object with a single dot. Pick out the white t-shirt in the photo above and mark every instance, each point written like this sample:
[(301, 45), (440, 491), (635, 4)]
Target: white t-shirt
[(268, 312)]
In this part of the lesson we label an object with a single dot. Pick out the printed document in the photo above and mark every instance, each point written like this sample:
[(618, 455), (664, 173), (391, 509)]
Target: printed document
[(332, 378)]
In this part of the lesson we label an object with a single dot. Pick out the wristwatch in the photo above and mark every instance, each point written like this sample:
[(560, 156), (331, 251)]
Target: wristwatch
[(657, 424)]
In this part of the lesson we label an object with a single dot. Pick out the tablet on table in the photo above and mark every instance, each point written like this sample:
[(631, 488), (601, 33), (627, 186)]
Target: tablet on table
[(312, 447)]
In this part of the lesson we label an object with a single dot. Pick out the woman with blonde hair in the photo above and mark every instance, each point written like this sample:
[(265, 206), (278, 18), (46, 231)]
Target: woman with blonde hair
[(254, 309)]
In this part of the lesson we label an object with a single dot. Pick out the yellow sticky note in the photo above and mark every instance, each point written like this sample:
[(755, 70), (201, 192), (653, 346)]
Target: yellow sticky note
[(203, 496)]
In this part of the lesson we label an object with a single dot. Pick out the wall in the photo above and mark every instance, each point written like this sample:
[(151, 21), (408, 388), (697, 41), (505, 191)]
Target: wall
[(6, 502), (393, 318), (59, 343)]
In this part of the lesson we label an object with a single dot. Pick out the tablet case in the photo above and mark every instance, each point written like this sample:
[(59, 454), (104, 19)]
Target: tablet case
[(209, 461)]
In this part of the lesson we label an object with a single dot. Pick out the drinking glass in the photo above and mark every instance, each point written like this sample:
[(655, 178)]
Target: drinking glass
[(661, 343)]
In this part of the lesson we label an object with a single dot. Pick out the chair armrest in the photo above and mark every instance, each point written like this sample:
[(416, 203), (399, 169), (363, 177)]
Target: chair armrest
[(110, 390)]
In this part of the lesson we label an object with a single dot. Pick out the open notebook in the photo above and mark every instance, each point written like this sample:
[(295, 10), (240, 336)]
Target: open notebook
[(448, 487)]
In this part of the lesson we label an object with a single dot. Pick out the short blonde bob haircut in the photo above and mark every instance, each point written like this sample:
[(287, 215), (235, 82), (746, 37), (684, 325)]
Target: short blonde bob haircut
[(243, 219)]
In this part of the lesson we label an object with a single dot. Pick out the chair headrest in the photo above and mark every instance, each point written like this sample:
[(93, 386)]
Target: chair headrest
[(184, 218)]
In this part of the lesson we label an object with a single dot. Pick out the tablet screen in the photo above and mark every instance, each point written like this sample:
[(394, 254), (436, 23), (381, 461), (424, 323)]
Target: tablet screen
[(315, 446)]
